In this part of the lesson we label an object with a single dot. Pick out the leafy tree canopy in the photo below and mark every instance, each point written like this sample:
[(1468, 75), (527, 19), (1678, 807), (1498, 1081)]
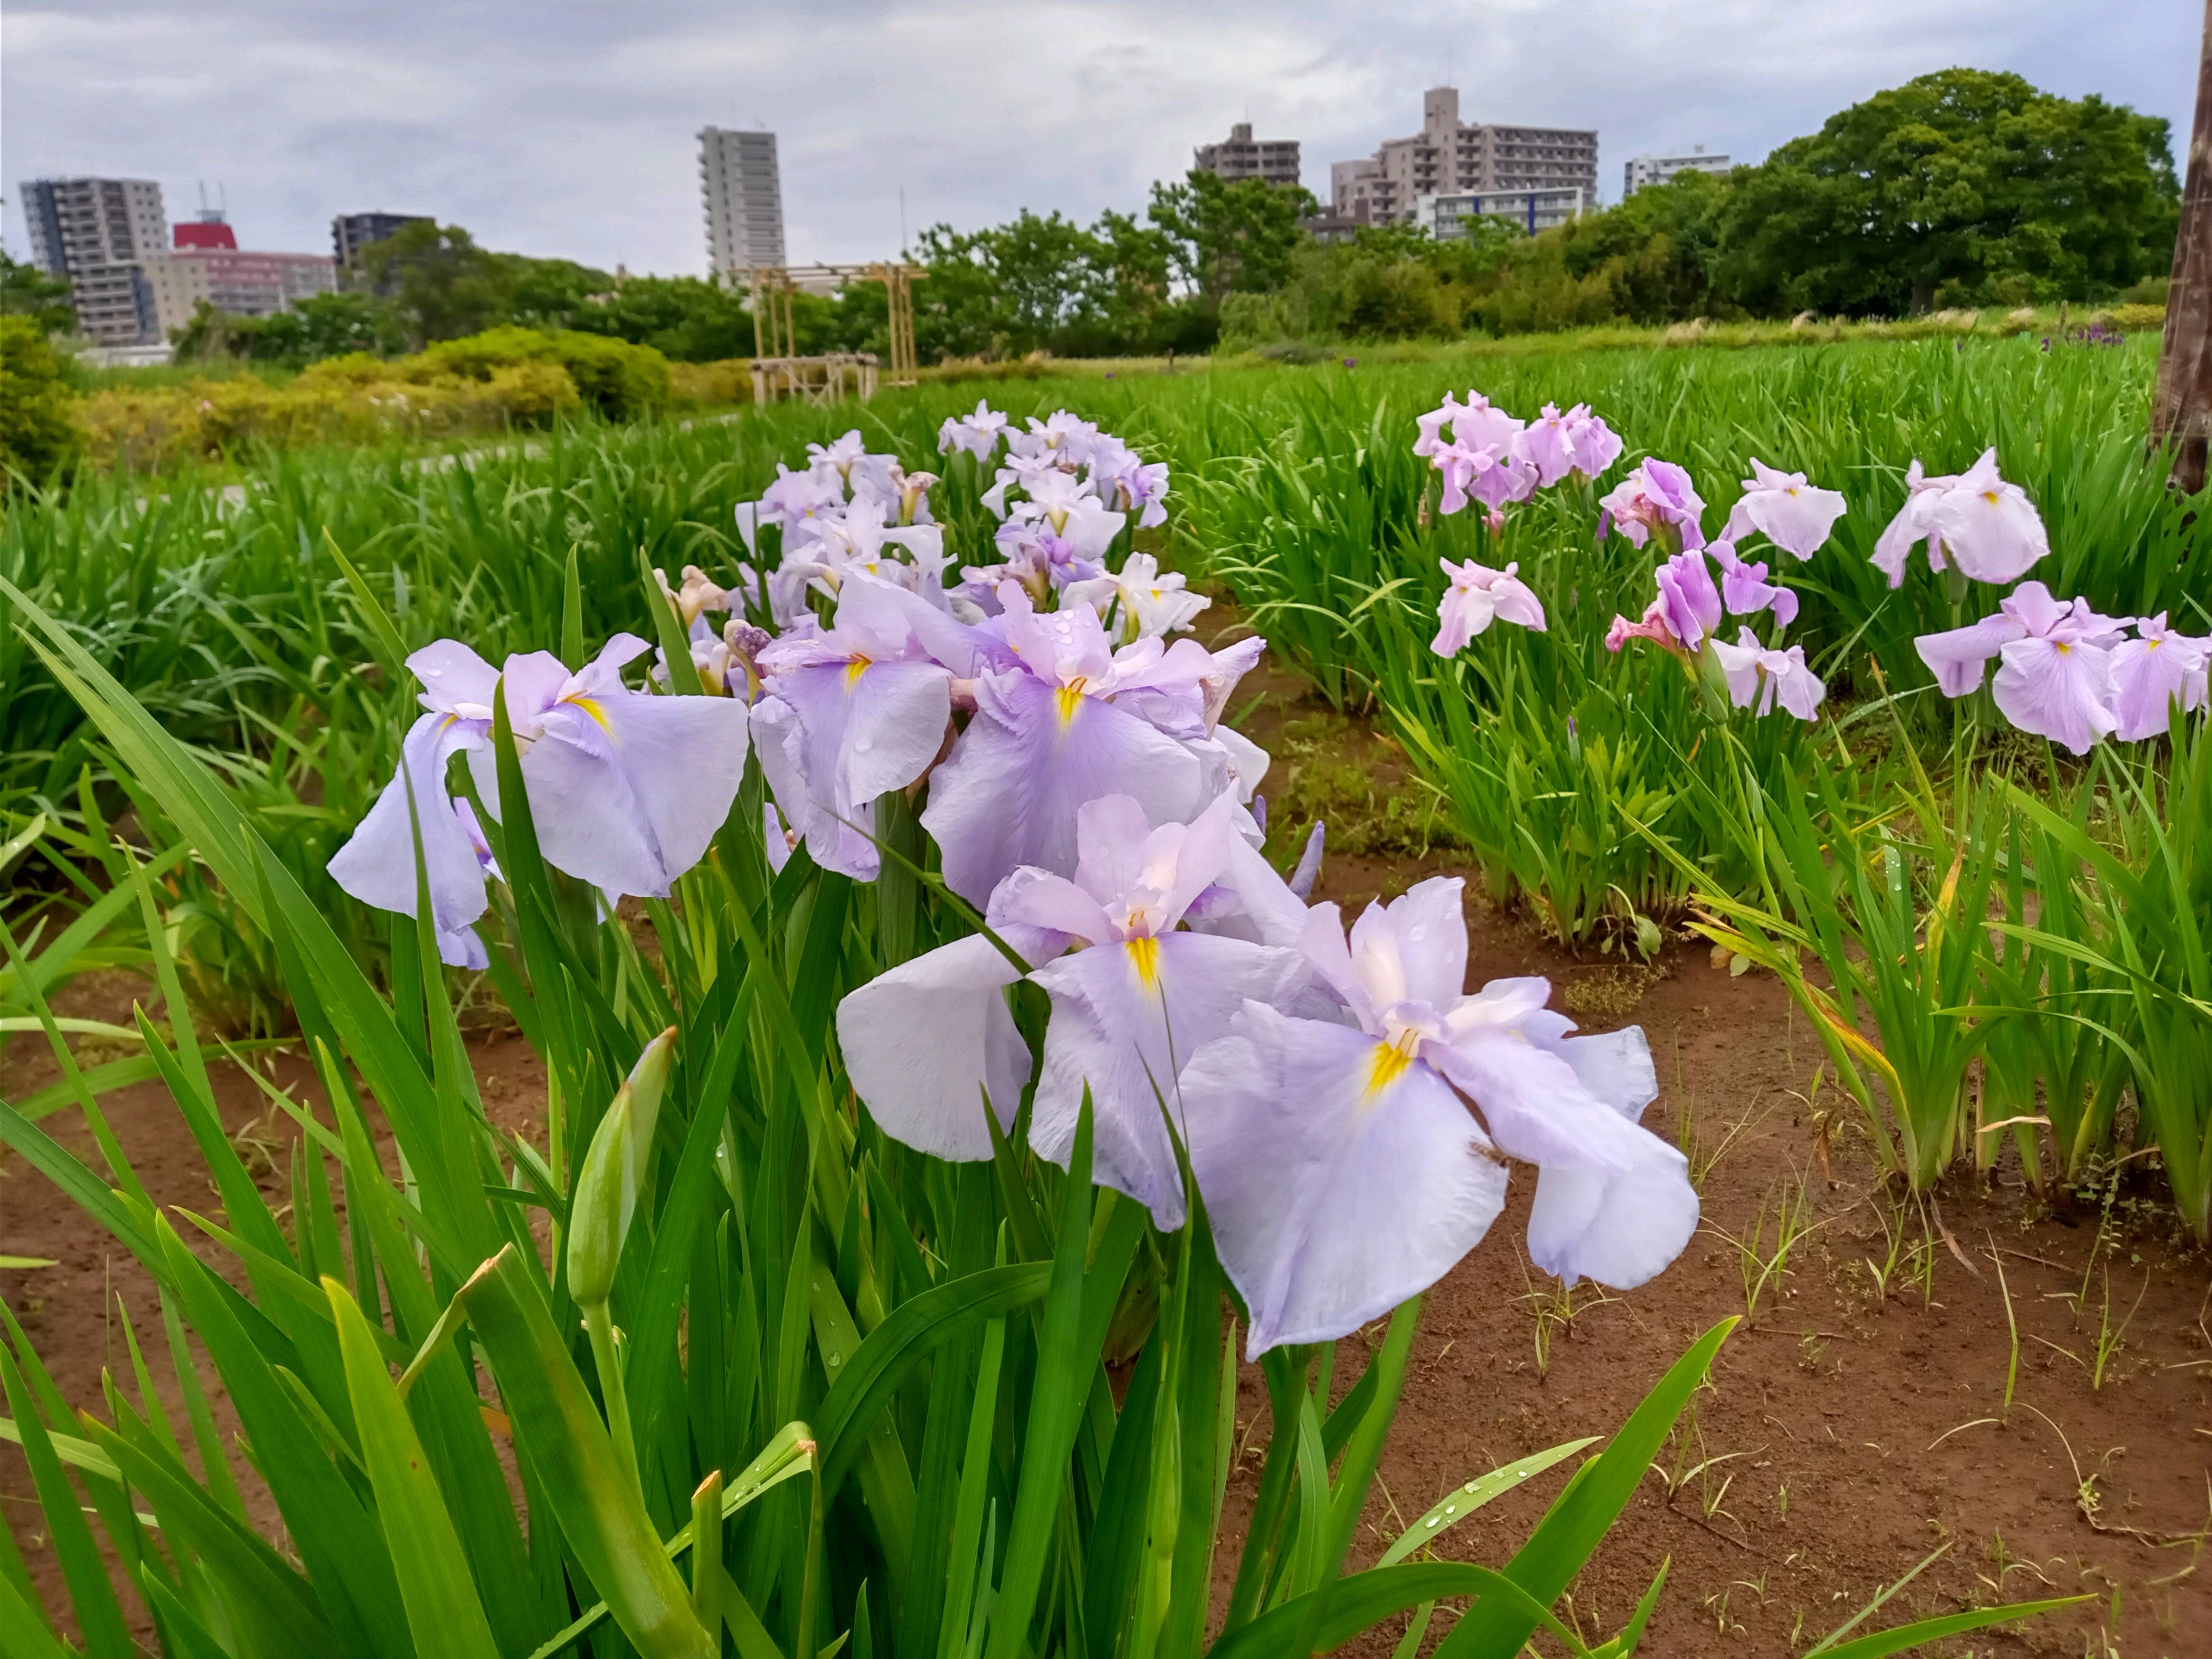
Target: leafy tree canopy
[(27, 291), (1962, 187)]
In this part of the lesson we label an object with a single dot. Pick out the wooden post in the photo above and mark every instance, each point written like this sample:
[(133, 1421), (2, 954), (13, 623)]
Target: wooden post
[(2181, 406)]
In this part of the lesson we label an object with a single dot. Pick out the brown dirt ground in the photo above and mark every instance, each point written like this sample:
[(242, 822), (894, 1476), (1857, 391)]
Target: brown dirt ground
[(1845, 1434)]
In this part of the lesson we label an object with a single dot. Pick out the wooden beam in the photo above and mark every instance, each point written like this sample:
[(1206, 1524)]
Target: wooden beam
[(2181, 405)]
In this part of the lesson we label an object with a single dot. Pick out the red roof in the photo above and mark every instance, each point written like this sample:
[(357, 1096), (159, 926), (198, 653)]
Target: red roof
[(206, 235)]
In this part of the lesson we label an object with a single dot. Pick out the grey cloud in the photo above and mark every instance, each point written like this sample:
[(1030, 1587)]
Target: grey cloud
[(568, 128)]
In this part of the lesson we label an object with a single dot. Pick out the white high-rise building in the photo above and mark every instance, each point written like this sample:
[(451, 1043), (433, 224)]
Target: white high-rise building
[(97, 233), (737, 175), (1642, 170)]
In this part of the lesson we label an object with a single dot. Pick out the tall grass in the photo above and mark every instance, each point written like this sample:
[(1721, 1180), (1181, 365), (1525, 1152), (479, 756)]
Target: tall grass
[(833, 1393)]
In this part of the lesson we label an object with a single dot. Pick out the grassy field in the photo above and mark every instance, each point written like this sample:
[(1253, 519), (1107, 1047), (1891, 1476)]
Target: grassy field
[(2002, 952)]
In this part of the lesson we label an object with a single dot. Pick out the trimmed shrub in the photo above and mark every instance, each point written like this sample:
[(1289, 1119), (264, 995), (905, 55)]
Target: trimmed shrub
[(620, 381)]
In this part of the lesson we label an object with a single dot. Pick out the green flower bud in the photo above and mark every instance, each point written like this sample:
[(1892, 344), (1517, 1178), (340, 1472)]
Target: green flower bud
[(605, 1196)]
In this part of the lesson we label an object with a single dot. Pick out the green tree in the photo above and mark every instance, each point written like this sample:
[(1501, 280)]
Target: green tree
[(1227, 236), (440, 285), (28, 291), (38, 423), (310, 330), (1962, 187)]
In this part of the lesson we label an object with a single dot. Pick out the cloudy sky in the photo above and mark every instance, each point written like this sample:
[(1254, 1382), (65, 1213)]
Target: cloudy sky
[(555, 128)]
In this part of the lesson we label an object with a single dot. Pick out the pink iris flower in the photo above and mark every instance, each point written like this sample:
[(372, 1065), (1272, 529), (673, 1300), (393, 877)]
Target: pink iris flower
[(2055, 670), (2152, 673), (1974, 520), (1794, 515), (1760, 678), (1476, 597)]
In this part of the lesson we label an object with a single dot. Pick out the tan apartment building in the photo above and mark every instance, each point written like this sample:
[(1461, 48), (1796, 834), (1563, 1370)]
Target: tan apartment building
[(1451, 157), (1241, 157)]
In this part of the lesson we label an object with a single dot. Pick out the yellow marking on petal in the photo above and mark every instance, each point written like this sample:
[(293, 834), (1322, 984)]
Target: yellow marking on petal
[(1068, 698), (854, 669), (1991, 496), (2064, 649), (1384, 1067), (1144, 958), (591, 706)]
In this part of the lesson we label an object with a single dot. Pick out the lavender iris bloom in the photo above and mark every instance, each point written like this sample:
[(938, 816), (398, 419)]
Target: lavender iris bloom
[(847, 716), (1744, 587), (1692, 604), (1431, 426), (1062, 718), (1596, 446), (1987, 528), (1547, 445), (1794, 515), (626, 789), (975, 434), (2055, 674), (1342, 1170), (2151, 672), (1657, 498), (1120, 473), (1146, 601), (792, 504), (1476, 597), (926, 1043)]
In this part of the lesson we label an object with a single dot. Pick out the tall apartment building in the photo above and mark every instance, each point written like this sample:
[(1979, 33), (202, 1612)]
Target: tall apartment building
[(351, 232), (1642, 170), (207, 267), (95, 233), (1275, 160), (1451, 157), (743, 193), (1444, 217)]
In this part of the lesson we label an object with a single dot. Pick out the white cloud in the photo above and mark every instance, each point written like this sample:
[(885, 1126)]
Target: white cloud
[(569, 129)]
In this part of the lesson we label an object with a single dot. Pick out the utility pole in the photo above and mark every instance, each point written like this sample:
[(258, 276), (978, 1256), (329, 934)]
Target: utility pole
[(2181, 405)]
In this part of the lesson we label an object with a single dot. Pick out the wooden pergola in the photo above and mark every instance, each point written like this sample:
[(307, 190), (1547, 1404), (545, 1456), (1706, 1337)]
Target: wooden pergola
[(773, 285)]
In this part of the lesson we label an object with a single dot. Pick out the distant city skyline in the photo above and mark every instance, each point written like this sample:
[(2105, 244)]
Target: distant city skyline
[(572, 131)]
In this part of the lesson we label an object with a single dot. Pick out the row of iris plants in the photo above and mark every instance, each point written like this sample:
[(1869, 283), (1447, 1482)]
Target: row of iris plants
[(945, 1098), (1988, 889)]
